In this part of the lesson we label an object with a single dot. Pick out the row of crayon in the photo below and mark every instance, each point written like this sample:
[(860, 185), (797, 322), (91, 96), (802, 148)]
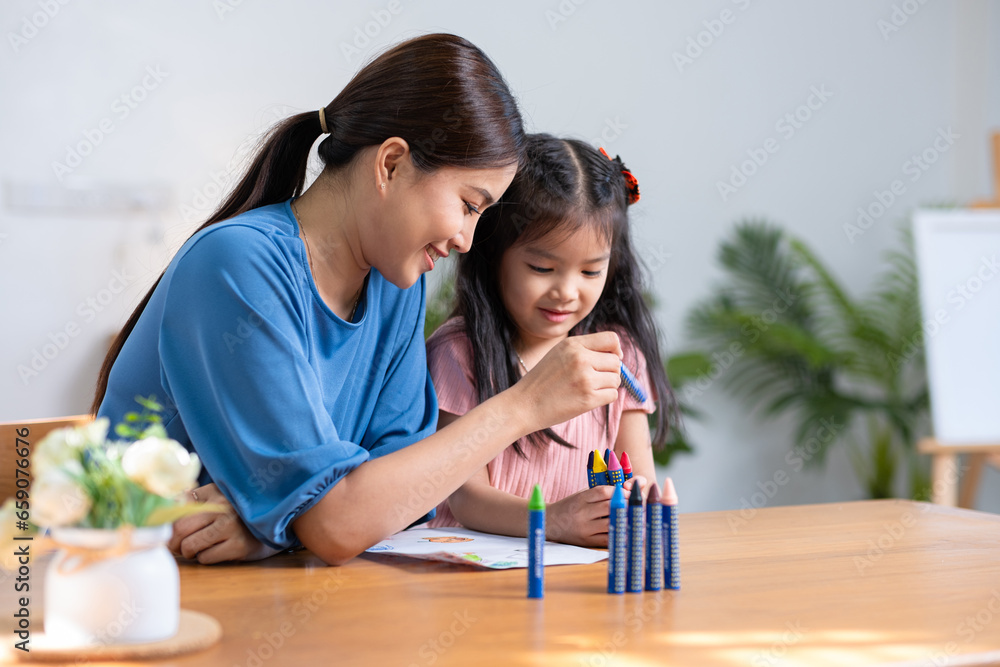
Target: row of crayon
[(642, 541), (609, 470)]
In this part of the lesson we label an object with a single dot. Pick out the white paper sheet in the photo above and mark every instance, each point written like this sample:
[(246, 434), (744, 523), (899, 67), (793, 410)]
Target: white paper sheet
[(494, 552)]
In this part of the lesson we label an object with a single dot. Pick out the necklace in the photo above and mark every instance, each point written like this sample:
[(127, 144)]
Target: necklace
[(312, 267), (521, 361)]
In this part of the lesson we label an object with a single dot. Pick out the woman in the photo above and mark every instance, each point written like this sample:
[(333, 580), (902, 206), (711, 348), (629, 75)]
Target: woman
[(286, 335)]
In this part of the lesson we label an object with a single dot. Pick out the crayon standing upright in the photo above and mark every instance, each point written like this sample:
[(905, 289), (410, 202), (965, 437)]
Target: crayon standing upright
[(617, 542), (615, 474), (536, 543), (607, 456), (671, 557), (626, 466), (591, 478), (600, 470), (636, 541), (654, 540)]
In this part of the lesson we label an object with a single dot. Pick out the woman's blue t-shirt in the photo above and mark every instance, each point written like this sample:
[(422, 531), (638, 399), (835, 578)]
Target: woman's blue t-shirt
[(278, 396)]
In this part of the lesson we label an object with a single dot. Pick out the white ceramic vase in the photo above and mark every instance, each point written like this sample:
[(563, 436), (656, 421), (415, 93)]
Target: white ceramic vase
[(123, 599)]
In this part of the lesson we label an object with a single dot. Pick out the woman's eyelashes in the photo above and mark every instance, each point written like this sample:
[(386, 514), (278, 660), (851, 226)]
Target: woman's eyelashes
[(472, 207)]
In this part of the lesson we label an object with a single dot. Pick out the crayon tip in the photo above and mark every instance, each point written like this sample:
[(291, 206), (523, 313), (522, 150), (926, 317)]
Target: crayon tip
[(626, 464), (635, 498), (590, 461), (607, 454), (599, 465), (669, 492), (618, 497), (654, 494), (613, 463), (537, 502)]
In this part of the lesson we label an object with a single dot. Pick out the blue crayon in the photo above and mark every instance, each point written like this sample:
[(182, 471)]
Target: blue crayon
[(632, 385), (654, 540), (617, 541), (636, 541), (536, 543), (671, 557)]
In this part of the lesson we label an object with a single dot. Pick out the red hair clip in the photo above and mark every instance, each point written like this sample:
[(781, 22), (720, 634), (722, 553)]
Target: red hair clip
[(631, 184)]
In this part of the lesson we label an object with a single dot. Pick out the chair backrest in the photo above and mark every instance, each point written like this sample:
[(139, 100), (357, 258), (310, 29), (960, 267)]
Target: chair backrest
[(15, 436)]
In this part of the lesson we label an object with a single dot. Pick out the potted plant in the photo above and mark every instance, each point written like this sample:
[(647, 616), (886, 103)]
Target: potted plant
[(106, 506)]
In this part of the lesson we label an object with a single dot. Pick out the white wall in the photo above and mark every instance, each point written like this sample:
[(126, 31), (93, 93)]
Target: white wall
[(210, 76)]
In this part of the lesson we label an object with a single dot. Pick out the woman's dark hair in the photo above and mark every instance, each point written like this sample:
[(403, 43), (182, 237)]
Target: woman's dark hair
[(563, 186), (439, 92)]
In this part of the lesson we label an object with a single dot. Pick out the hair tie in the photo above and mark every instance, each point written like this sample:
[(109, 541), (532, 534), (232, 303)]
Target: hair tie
[(631, 184), (322, 120)]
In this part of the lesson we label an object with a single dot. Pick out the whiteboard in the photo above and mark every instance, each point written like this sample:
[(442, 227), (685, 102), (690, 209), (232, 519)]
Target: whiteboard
[(958, 265)]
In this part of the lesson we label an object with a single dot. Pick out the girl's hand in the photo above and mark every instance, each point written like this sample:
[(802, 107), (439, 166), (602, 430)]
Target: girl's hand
[(214, 537), (580, 519), (577, 375)]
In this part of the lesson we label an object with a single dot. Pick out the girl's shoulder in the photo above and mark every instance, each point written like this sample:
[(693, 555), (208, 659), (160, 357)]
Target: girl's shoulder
[(450, 337)]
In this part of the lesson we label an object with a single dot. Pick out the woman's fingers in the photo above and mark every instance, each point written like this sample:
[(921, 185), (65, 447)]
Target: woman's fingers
[(187, 526)]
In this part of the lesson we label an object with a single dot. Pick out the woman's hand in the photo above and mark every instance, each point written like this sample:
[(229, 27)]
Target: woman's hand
[(214, 537), (577, 375), (580, 519)]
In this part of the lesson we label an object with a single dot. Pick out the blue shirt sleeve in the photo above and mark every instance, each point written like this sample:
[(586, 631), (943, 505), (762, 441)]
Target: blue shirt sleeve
[(253, 410)]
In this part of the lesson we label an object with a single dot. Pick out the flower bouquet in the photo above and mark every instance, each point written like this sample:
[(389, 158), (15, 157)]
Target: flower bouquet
[(106, 506)]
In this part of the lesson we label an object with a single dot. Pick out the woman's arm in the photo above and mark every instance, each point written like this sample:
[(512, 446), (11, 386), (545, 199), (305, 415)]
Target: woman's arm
[(384, 495)]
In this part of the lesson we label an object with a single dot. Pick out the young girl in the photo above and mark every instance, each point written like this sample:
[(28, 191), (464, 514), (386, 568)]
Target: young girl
[(552, 260)]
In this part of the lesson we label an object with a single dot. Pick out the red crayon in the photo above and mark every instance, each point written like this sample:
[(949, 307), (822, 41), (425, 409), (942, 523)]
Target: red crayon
[(626, 466)]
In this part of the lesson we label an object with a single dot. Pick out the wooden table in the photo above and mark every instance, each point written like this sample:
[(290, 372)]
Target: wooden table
[(841, 584)]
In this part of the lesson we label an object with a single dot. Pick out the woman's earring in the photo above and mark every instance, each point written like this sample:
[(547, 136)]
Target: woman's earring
[(383, 186)]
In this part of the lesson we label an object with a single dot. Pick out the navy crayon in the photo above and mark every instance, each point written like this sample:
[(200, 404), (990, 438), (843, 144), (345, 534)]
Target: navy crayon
[(607, 456), (654, 540), (591, 480), (671, 558), (636, 541), (617, 541), (536, 543)]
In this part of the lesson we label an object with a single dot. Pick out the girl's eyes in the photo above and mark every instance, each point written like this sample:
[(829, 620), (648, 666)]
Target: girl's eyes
[(472, 207), (539, 269)]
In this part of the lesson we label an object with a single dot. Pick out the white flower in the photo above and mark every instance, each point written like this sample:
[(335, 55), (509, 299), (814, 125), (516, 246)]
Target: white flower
[(57, 499), (62, 447), (161, 466)]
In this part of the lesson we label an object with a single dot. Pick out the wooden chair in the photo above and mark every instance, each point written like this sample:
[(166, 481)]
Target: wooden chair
[(954, 485), (36, 430)]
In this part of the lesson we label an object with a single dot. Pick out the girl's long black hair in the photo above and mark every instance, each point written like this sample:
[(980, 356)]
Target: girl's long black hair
[(563, 185), (439, 92)]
